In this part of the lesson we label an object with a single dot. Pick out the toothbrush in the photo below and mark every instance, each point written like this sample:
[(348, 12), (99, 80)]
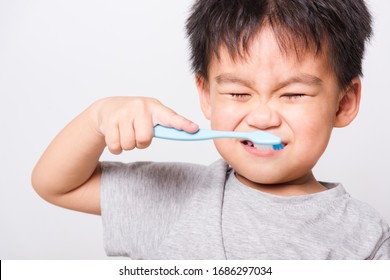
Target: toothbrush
[(259, 138)]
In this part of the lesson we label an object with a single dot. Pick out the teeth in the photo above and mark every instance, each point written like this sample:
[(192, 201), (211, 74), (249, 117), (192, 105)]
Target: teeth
[(258, 146), (248, 143), (264, 147)]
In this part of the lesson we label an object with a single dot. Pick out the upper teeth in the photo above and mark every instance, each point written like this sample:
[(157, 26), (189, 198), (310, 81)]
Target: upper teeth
[(264, 147)]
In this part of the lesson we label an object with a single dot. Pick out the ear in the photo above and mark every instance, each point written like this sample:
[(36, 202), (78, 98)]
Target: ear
[(204, 95), (349, 103)]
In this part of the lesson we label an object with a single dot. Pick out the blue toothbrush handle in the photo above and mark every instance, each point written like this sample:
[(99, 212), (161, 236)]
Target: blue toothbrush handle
[(170, 133), (259, 137)]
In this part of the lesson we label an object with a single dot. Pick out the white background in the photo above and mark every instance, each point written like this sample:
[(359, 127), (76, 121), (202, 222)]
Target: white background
[(57, 57)]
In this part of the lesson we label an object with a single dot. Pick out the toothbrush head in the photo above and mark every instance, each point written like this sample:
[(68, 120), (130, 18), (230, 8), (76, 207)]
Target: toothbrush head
[(264, 140)]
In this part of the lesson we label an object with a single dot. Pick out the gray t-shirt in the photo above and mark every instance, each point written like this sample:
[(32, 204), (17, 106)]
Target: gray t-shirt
[(188, 211)]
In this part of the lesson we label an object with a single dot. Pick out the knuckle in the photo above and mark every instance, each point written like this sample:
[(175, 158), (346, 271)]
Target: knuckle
[(113, 146), (143, 140), (154, 101), (141, 103), (128, 145), (143, 143), (115, 149), (137, 102)]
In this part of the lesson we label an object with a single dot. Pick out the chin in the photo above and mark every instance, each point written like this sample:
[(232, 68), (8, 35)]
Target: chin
[(270, 175), (255, 177)]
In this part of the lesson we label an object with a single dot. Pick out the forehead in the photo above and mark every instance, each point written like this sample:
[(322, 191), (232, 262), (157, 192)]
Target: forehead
[(265, 52)]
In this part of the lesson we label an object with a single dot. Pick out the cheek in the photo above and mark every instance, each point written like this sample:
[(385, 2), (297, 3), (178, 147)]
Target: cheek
[(311, 117), (225, 117), (312, 129), (224, 147)]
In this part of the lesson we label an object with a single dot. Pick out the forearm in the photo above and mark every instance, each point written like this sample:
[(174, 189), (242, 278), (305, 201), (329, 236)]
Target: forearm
[(71, 158)]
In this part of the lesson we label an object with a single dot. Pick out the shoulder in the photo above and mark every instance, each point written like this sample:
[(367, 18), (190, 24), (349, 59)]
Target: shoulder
[(360, 211), (368, 226), (349, 209)]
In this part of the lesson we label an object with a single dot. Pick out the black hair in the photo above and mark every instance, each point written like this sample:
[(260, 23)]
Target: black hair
[(341, 27)]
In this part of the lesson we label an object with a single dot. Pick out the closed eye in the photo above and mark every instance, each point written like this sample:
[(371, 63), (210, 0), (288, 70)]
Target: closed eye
[(294, 95), (240, 95)]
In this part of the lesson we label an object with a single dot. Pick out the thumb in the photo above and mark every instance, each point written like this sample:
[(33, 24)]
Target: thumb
[(170, 118)]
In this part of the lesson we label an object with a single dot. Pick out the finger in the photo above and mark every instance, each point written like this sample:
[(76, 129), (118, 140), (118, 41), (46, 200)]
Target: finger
[(170, 118), (143, 128), (112, 140), (126, 134)]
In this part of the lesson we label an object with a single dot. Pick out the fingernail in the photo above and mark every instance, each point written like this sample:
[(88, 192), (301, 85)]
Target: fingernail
[(194, 126)]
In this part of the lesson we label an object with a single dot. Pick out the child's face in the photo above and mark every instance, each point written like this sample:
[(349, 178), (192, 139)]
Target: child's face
[(298, 100)]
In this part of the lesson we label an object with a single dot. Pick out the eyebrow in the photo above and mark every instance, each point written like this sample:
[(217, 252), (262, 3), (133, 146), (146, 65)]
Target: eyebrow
[(231, 79), (306, 79)]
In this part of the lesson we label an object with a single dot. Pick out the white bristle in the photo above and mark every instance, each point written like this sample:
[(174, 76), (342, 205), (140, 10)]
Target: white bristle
[(263, 147)]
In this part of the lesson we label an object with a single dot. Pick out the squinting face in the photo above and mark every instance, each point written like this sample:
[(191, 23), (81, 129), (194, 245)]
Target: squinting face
[(297, 100)]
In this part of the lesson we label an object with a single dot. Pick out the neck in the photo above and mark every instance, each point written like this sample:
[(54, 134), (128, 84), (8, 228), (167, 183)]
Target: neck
[(302, 186)]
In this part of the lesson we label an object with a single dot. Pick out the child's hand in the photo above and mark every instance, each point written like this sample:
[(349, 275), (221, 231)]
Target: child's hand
[(127, 122)]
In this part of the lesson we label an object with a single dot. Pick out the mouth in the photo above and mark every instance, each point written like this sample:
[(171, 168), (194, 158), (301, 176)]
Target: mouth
[(257, 147)]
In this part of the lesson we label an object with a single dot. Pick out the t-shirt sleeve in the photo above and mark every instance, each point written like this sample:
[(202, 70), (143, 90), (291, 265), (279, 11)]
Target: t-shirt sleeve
[(383, 252), (141, 202)]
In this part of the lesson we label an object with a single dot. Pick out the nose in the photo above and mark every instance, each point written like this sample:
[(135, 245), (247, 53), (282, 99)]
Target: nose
[(263, 116)]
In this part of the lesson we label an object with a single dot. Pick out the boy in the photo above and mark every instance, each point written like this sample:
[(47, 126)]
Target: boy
[(287, 67)]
